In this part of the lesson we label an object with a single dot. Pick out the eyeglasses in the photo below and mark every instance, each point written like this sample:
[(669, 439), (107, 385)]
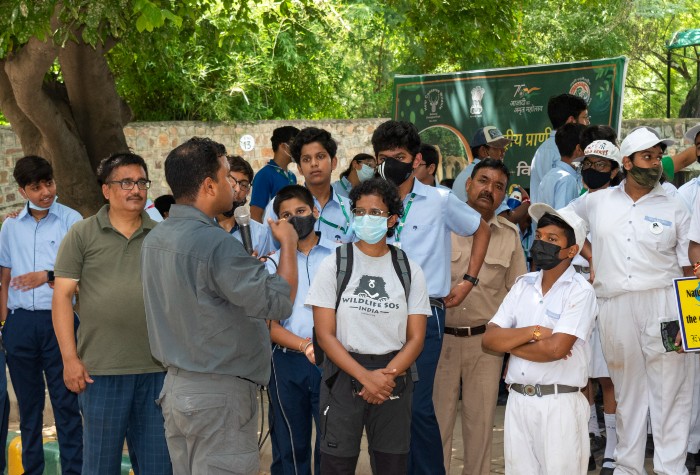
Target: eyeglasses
[(602, 166), (359, 212), (242, 184), (129, 184)]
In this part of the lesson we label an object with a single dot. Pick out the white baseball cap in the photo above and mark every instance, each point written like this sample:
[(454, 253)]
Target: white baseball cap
[(692, 134), (603, 149), (641, 138), (538, 210)]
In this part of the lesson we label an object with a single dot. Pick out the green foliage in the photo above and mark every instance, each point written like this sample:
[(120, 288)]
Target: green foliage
[(288, 59)]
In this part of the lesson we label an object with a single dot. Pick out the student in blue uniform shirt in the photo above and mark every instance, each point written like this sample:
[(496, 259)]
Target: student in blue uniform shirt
[(240, 176), (362, 168), (423, 232), (28, 247), (314, 152), (274, 175), (295, 380)]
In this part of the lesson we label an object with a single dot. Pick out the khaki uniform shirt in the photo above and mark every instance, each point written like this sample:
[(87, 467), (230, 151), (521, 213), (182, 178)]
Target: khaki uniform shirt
[(504, 262)]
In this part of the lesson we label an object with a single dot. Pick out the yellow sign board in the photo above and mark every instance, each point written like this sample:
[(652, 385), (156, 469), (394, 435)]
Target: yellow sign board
[(688, 298)]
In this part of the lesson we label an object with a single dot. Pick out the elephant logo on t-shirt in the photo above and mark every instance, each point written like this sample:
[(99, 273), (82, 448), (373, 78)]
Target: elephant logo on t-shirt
[(372, 287)]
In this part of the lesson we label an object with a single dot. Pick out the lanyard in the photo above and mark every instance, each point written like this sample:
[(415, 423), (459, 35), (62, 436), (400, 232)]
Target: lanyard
[(344, 230), (285, 174), (399, 228), (343, 185)]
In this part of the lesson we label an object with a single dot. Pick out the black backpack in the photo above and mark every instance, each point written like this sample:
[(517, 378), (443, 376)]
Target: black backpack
[(343, 264)]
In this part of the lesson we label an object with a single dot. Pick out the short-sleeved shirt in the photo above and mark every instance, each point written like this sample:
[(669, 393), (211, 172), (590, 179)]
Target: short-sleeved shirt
[(268, 181), (559, 186), (430, 213), (334, 221), (568, 307), (301, 321), (543, 161), (637, 245), (373, 313), (27, 245), (112, 336), (504, 262)]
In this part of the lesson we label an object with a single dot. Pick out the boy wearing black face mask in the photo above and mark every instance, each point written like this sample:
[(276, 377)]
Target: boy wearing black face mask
[(544, 323), (295, 380)]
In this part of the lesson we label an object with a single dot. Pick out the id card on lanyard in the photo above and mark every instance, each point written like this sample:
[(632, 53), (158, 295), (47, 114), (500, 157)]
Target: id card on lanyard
[(343, 229), (402, 222)]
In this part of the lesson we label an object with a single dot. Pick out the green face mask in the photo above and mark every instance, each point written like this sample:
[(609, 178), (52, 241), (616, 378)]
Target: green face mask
[(646, 177)]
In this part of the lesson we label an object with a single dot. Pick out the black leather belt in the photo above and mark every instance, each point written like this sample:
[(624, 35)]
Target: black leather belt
[(465, 331), (439, 303), (540, 390)]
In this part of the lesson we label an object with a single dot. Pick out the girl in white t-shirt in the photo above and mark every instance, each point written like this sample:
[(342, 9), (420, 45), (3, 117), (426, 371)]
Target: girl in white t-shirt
[(371, 340)]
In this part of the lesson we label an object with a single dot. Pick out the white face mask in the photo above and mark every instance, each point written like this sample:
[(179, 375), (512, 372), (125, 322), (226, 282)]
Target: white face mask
[(365, 173), (38, 208)]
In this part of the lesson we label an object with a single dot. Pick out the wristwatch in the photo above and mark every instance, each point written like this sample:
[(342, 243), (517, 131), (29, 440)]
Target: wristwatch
[(473, 280), (50, 276), (536, 333)]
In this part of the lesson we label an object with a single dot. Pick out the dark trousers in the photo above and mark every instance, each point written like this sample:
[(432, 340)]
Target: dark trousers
[(4, 409), (124, 407), (32, 354), (426, 457), (345, 414), (294, 393)]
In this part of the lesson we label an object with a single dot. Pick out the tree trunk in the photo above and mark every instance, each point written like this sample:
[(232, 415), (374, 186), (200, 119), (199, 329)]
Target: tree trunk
[(74, 125), (691, 106)]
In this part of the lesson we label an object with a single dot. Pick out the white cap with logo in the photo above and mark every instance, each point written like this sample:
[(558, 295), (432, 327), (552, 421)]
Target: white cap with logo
[(639, 139), (603, 149)]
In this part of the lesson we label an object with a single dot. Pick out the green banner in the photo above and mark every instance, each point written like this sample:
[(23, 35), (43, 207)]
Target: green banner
[(449, 108)]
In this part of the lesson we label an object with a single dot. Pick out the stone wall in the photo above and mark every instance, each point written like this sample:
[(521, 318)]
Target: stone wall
[(153, 141)]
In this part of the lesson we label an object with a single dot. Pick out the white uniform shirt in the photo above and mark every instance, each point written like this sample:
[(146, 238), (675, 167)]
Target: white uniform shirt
[(687, 193), (568, 307), (694, 232), (636, 245)]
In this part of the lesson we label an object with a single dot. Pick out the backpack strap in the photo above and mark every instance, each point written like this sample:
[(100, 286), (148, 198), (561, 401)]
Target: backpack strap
[(343, 264), (402, 268)]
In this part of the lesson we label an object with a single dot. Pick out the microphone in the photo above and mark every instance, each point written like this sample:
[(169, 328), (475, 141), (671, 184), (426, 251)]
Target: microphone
[(242, 216)]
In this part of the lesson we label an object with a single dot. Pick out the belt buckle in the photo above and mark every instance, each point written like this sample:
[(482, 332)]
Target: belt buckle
[(469, 331), (530, 390)]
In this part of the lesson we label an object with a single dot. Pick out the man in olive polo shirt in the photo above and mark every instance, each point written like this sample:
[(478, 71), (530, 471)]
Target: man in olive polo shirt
[(111, 369)]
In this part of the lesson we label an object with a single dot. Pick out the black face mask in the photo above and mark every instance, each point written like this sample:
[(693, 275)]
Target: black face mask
[(395, 171), (595, 179), (236, 204), (303, 225), (545, 254)]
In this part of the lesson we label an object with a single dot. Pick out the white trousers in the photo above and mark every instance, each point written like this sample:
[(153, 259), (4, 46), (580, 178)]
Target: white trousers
[(646, 378), (546, 435), (694, 435)]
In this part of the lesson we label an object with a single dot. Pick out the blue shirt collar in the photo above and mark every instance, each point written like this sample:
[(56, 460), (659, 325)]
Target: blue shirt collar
[(25, 211)]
